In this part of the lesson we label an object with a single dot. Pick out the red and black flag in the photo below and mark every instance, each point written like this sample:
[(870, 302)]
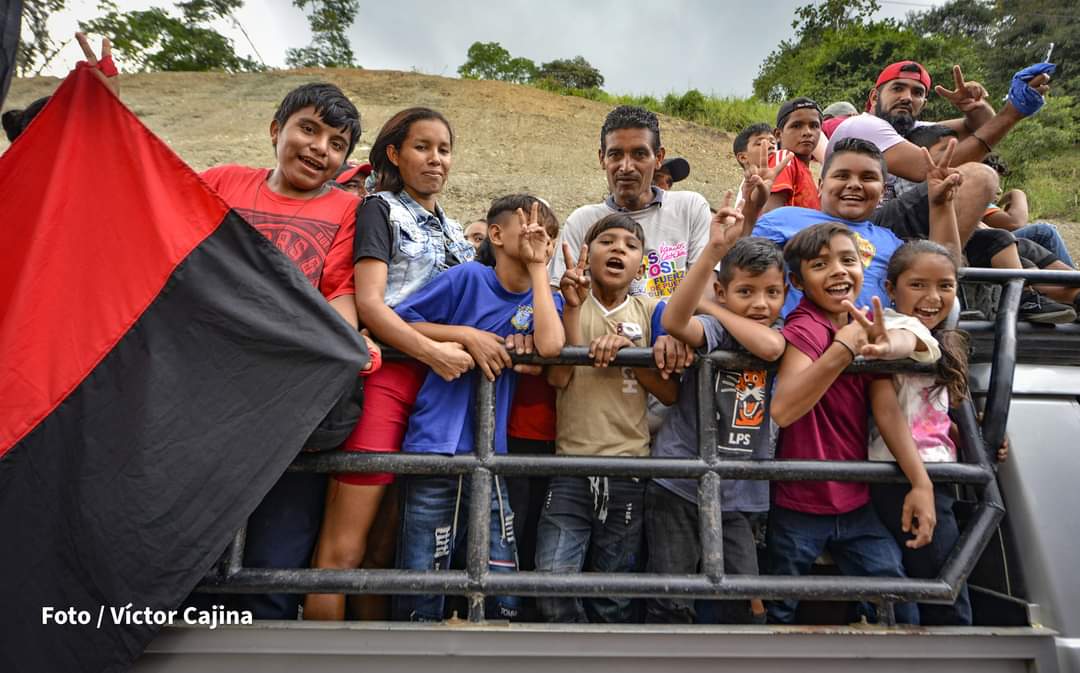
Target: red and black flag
[(161, 363)]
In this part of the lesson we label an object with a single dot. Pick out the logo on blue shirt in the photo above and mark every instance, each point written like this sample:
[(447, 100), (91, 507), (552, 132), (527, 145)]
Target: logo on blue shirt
[(522, 320)]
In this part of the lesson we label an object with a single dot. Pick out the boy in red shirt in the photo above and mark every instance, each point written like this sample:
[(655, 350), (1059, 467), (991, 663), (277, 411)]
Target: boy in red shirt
[(824, 415), (798, 129)]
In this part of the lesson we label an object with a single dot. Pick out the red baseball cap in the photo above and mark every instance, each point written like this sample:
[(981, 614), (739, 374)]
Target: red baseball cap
[(348, 172), (903, 70)]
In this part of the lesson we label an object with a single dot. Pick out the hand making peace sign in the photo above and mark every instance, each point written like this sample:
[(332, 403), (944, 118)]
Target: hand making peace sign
[(574, 284), (966, 96), (533, 242), (942, 180), (103, 66), (758, 178), (725, 228)]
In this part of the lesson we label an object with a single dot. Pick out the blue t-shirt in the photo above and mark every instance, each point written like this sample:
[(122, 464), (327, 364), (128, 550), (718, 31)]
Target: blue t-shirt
[(745, 429), (876, 246), (468, 294)]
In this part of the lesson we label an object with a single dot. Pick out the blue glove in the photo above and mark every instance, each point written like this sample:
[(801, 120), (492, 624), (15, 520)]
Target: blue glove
[(1025, 99)]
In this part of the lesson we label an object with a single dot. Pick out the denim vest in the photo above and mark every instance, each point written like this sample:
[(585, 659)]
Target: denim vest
[(424, 245)]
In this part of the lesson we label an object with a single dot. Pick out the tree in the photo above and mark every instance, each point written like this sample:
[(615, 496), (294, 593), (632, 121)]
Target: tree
[(36, 46), (1026, 29), (154, 39), (968, 19), (489, 60), (329, 48), (575, 73), (829, 64)]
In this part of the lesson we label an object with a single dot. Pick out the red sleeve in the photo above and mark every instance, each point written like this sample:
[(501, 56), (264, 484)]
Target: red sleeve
[(785, 181), (337, 276), (804, 333)]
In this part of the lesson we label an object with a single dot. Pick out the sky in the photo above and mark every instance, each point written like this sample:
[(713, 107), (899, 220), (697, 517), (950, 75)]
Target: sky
[(640, 47)]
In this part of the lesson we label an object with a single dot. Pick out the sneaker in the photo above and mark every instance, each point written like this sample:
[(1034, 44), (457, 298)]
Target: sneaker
[(1036, 308)]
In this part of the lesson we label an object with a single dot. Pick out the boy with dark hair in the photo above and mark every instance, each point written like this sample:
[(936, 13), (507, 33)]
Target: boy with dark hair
[(313, 131), (752, 143), (601, 411), (852, 181), (823, 414), (798, 130), (750, 292)]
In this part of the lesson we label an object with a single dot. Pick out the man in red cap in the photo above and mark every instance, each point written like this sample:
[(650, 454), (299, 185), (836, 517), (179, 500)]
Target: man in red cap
[(892, 110)]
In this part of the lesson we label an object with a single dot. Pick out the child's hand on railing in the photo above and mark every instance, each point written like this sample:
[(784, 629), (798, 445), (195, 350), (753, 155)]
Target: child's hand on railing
[(603, 349), (522, 344), (671, 355)]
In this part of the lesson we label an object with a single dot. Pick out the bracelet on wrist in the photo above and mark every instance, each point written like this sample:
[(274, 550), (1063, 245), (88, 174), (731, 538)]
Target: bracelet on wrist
[(846, 347), (985, 144)]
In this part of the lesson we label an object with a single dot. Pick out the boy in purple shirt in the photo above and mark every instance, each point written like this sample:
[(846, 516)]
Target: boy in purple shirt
[(823, 414)]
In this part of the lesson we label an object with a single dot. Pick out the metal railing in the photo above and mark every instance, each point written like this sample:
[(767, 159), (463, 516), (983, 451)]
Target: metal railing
[(475, 581)]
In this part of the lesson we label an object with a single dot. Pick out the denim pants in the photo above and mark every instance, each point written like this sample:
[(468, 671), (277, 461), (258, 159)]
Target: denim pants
[(434, 521), (591, 523), (281, 533), (858, 541), (671, 533), (925, 562), (1046, 235)]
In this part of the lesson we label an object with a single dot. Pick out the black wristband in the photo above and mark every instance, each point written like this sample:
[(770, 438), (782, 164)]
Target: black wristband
[(847, 347)]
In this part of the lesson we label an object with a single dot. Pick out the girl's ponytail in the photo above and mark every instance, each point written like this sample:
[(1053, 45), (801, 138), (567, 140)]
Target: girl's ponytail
[(952, 368)]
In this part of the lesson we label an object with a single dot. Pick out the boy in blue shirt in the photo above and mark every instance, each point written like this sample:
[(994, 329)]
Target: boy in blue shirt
[(750, 292), (511, 298), (852, 182)]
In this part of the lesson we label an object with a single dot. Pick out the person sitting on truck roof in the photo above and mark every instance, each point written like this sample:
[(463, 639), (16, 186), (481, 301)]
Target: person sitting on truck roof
[(749, 289), (596, 522), (823, 413)]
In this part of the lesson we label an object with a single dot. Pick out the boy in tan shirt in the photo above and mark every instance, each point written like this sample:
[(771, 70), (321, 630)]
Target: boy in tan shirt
[(601, 411)]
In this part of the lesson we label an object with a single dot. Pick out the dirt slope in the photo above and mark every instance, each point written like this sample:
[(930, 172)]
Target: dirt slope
[(509, 138)]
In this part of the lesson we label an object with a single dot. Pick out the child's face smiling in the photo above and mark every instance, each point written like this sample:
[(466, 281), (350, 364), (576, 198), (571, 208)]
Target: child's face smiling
[(801, 132), (615, 258), (833, 276), (852, 189), (926, 289), (757, 297), (309, 152)]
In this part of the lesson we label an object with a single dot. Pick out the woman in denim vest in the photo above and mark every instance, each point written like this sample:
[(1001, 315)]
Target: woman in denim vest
[(403, 240)]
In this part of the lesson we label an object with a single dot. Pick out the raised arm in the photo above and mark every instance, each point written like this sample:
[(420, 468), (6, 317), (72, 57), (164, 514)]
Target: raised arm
[(574, 286), (548, 334), (942, 184)]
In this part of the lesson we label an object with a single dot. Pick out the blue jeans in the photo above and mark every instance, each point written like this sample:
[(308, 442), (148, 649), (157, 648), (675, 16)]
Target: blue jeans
[(858, 541), (1046, 235), (434, 520), (925, 562), (592, 523)]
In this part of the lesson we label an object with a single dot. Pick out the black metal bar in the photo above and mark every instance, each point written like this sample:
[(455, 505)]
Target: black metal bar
[(585, 466), (710, 526), (455, 582), (234, 560), (479, 538), (996, 412), (1036, 277)]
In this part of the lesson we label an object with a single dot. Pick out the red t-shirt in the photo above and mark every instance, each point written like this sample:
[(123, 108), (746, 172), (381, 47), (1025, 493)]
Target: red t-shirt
[(316, 234), (835, 429), (532, 413), (797, 179), (829, 125)]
